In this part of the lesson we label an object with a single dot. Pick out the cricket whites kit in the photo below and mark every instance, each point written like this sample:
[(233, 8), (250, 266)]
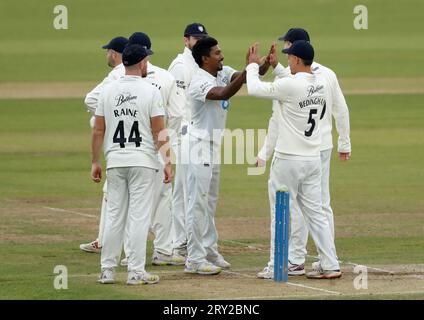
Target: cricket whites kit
[(208, 119), (296, 164), (161, 225), (128, 104), (161, 218), (336, 107), (182, 68)]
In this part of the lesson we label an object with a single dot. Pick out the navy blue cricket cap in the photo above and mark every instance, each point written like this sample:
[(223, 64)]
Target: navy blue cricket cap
[(301, 49), (195, 30), (133, 54), (141, 39), (118, 44), (295, 34)]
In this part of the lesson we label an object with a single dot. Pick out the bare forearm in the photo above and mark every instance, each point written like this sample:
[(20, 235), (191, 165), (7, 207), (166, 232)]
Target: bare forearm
[(225, 93), (263, 68), (96, 144), (161, 139)]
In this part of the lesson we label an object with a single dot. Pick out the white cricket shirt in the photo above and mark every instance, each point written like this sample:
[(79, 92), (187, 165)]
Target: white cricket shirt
[(92, 97), (336, 107), (208, 117), (301, 102), (183, 67), (127, 105)]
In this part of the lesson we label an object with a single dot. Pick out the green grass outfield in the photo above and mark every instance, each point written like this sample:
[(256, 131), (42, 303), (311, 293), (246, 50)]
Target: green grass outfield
[(376, 197), (48, 204), (33, 50)]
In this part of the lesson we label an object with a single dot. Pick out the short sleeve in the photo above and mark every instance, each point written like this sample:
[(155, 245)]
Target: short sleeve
[(156, 107), (199, 88), (228, 73)]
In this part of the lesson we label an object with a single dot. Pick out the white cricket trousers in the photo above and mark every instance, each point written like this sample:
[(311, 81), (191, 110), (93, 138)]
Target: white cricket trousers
[(161, 220), (102, 215), (161, 223), (203, 190), (303, 180), (129, 205), (299, 229), (179, 195)]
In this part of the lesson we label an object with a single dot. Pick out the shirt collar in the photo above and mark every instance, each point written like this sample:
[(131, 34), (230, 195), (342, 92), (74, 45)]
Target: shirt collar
[(304, 74), (206, 74), (119, 66)]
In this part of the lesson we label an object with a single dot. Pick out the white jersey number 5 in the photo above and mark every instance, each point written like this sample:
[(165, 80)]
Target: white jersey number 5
[(311, 120)]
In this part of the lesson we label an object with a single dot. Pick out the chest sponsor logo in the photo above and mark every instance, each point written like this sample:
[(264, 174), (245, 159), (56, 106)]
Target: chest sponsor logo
[(314, 89), (124, 97)]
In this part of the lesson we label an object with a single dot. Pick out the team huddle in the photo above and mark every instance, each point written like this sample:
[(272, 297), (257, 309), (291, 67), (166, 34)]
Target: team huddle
[(141, 112)]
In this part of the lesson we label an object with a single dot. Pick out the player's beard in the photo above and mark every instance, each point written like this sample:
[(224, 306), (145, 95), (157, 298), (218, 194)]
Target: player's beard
[(220, 65)]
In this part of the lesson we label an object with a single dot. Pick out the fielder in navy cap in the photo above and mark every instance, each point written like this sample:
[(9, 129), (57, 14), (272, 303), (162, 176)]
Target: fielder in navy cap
[(115, 47), (195, 30), (142, 39), (301, 49), (133, 54)]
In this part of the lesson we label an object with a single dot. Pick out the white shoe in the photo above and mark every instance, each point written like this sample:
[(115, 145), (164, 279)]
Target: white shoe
[(181, 250), (160, 259), (296, 269), (266, 273), (324, 274), (204, 268), (124, 262), (219, 262), (91, 247), (316, 266), (135, 278), (107, 276)]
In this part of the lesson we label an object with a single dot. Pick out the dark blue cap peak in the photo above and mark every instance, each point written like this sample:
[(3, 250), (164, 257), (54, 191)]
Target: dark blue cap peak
[(195, 30), (295, 34), (118, 44)]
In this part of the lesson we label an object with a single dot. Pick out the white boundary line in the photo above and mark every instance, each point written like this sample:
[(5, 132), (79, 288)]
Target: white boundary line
[(289, 283), (243, 244), (320, 295), (313, 288), (70, 211)]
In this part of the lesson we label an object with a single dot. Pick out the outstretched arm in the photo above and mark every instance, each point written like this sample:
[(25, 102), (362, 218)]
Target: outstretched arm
[(225, 93)]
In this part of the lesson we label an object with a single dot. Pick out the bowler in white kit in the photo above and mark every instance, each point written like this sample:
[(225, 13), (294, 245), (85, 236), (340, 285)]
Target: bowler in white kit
[(210, 90)]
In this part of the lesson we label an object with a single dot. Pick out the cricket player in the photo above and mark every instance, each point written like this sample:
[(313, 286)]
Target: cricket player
[(336, 106), (161, 219), (129, 119), (114, 60), (183, 67), (174, 106), (297, 163), (209, 92)]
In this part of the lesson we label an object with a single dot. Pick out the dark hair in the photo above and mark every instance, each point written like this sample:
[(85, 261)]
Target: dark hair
[(202, 48), (307, 62)]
